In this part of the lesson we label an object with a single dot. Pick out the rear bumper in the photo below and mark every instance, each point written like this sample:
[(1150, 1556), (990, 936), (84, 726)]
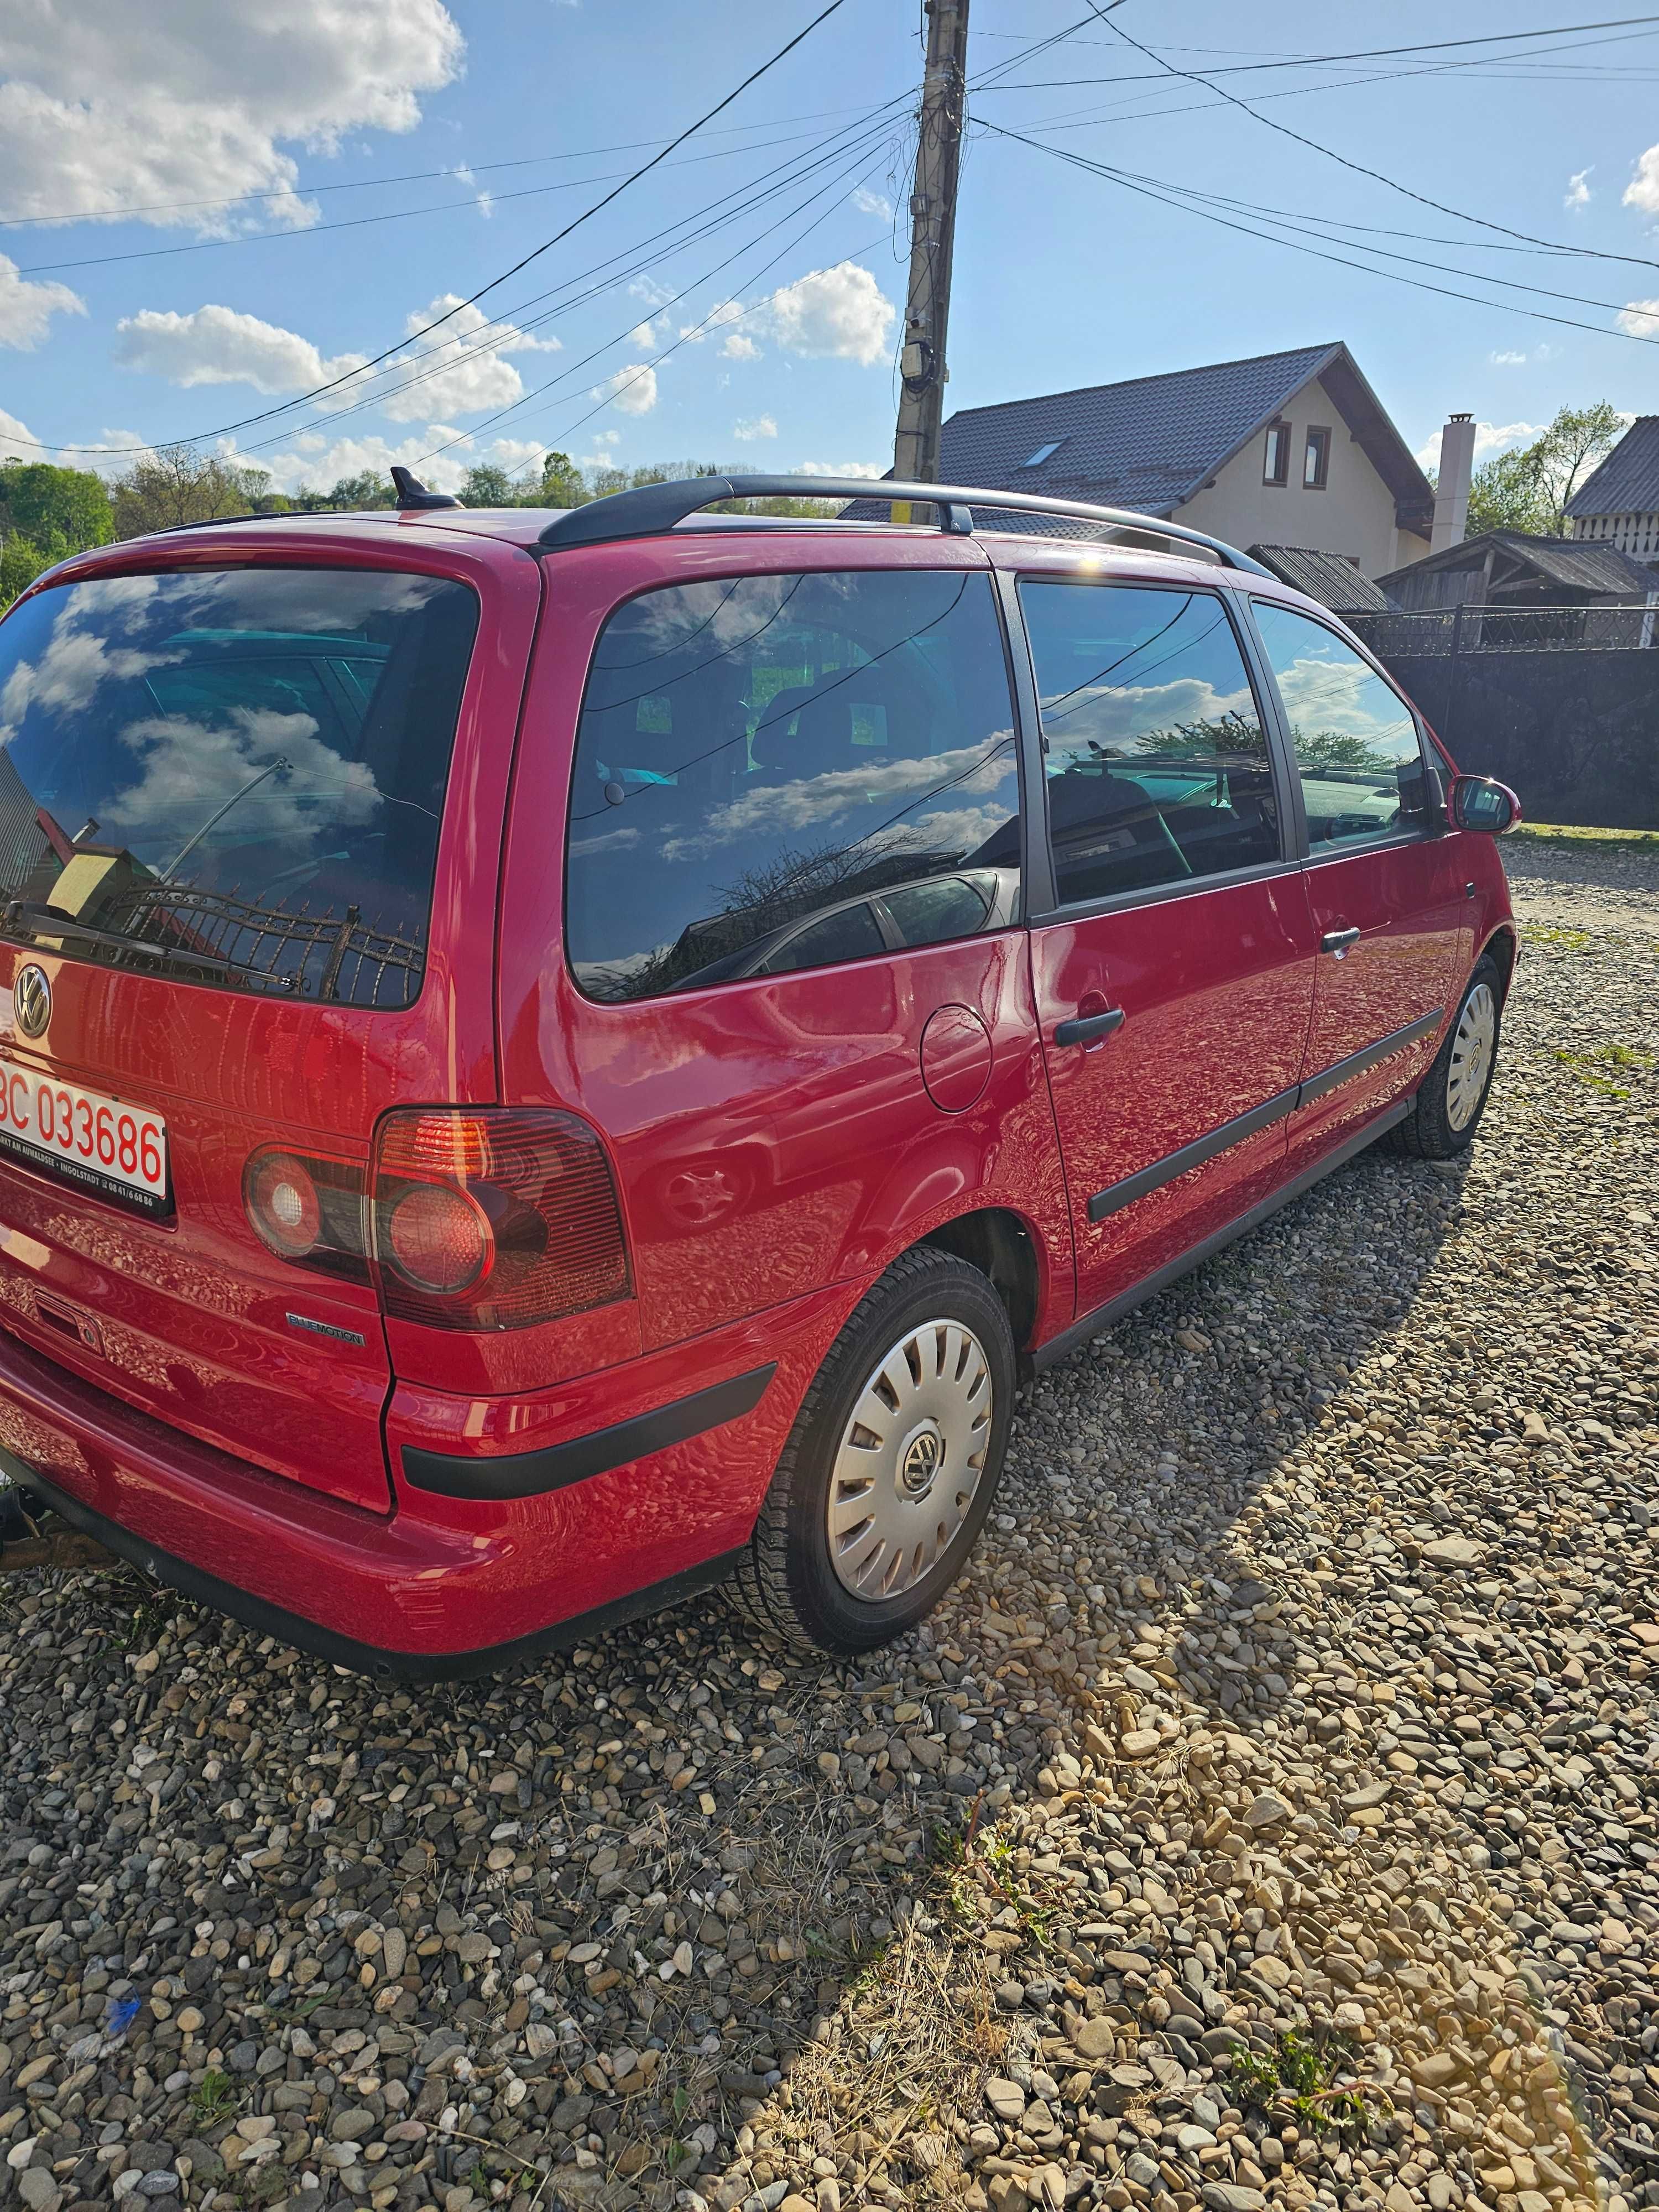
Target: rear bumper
[(447, 1585)]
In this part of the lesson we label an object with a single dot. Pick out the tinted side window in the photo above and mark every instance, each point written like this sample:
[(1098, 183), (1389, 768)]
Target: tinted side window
[(759, 751), (1157, 762), (1355, 739)]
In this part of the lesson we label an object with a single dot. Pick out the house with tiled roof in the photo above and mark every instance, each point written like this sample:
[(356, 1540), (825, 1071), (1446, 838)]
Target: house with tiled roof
[(1618, 504), (1292, 450)]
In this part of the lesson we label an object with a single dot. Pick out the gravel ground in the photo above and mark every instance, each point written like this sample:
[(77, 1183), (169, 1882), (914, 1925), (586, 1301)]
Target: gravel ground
[(1267, 1819)]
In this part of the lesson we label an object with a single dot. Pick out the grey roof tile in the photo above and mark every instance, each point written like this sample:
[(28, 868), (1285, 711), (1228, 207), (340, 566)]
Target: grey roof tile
[(1148, 443), (1627, 482), (1327, 577)]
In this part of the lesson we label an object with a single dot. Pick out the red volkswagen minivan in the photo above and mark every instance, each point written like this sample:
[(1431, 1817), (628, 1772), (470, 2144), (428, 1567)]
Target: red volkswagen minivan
[(550, 1059)]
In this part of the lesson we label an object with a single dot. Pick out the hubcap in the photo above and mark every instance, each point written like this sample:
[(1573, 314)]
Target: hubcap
[(911, 1461), (1473, 1046)]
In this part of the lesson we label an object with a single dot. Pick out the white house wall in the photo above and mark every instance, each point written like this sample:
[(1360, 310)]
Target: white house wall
[(1353, 515)]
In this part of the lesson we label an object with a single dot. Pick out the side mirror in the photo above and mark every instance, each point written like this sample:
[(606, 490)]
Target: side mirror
[(1478, 802)]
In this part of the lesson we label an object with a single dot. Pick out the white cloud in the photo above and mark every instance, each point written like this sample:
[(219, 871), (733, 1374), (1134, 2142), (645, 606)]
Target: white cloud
[(869, 470), (1506, 359), (27, 310), (315, 466), (1640, 318), (840, 313), (649, 289), (1578, 194), (753, 426), (459, 368), (642, 336), (16, 440), (218, 345), (737, 347), (633, 389), (1490, 438), (869, 203), (722, 312), (104, 105), (1643, 189)]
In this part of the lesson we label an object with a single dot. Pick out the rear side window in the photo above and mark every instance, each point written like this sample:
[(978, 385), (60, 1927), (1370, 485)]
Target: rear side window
[(1355, 739), (236, 776), (775, 773), (1156, 763)]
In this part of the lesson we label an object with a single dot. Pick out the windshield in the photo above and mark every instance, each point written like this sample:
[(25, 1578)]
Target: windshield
[(235, 775)]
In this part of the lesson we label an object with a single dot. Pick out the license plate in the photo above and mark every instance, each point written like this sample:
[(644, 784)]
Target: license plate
[(118, 1151)]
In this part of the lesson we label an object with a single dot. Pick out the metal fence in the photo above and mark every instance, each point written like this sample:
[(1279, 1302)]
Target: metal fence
[(1624, 626)]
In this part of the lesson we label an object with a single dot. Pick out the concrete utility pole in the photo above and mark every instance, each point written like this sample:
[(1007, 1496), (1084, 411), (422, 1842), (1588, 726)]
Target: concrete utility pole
[(932, 234)]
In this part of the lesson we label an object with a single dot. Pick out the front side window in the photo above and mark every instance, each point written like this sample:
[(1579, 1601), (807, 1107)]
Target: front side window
[(1355, 739), (777, 772), (1276, 454), (1156, 763), (236, 776)]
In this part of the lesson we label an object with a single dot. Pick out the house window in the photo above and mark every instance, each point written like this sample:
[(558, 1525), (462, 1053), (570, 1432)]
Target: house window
[(1043, 453), (1317, 460), (1276, 456)]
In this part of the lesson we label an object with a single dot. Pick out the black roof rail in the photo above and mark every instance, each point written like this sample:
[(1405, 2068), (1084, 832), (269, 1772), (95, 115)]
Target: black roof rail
[(651, 508)]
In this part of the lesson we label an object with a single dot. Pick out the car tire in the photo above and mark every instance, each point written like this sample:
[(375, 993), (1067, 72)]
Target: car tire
[(849, 1550), (1452, 1097)]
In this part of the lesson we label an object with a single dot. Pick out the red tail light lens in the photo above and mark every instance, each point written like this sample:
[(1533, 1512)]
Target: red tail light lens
[(307, 1210), (493, 1219)]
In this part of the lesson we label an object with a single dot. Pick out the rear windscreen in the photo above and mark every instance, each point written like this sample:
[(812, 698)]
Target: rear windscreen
[(236, 776)]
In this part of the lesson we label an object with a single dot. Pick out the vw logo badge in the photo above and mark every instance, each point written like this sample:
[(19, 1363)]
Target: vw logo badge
[(31, 999)]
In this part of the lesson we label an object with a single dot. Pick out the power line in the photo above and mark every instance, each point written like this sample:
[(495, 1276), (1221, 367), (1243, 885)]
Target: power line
[(1359, 168), (461, 169), (1151, 192), (524, 261), (573, 369), (387, 214), (1363, 53)]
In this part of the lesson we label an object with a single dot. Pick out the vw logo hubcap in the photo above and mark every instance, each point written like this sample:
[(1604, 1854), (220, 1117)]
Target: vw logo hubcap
[(31, 999)]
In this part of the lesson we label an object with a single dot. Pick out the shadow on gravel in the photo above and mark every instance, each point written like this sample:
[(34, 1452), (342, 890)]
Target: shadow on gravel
[(616, 1903)]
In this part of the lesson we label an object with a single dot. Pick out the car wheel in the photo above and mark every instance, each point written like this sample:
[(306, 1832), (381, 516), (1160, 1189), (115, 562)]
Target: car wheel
[(1452, 1095), (891, 1465)]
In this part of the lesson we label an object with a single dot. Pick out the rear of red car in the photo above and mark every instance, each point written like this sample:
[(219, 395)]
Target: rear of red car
[(253, 1176)]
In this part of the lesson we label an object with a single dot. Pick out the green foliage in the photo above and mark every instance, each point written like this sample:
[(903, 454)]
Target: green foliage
[(46, 514), (1528, 489), (485, 485), (177, 484), (371, 488), (1297, 2078), (215, 2098)]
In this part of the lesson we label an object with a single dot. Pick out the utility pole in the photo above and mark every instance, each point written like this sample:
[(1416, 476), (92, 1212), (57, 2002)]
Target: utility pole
[(933, 234)]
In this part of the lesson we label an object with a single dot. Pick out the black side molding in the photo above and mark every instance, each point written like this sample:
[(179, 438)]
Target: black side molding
[(1069, 1340), (1228, 1134), (267, 1620), (1359, 1063), (1172, 1164), (528, 1474)]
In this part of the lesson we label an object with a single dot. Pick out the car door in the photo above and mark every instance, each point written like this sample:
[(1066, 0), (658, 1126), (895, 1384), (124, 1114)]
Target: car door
[(794, 992), (1172, 970), (1386, 909)]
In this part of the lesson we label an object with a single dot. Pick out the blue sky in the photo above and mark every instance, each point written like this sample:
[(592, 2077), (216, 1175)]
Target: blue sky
[(319, 183)]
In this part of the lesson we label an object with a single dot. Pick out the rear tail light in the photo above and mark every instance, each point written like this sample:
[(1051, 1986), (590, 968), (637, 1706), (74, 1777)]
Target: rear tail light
[(493, 1219), (307, 1210)]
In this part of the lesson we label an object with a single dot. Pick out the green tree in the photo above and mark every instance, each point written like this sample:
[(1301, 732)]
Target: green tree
[(52, 505), (20, 562), (1528, 489), (176, 484), (562, 485), (486, 485), (370, 488)]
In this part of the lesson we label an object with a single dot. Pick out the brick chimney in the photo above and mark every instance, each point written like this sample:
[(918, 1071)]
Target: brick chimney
[(1451, 500)]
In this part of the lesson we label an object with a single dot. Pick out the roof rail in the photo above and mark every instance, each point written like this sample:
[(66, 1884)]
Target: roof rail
[(651, 508)]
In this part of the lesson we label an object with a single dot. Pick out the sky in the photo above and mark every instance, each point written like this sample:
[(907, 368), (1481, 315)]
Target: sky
[(259, 227)]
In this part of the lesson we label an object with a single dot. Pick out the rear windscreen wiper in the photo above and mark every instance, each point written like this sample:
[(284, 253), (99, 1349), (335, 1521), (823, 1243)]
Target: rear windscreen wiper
[(41, 921)]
